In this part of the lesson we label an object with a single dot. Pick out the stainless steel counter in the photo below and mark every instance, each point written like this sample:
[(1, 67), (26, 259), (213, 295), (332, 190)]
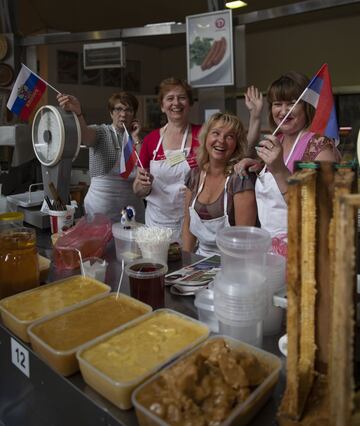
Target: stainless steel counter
[(45, 398)]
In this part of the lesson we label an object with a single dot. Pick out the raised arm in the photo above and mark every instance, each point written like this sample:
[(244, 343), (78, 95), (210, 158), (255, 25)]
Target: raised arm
[(254, 103), (188, 239), (70, 103)]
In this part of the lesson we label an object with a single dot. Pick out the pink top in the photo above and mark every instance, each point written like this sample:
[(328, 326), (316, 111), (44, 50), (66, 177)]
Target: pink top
[(309, 147), (151, 140)]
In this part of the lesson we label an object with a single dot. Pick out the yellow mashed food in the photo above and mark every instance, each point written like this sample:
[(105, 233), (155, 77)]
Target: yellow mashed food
[(74, 328), (53, 297), (134, 352)]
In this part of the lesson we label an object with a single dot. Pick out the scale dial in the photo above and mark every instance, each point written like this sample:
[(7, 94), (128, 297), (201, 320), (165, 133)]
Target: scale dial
[(50, 135)]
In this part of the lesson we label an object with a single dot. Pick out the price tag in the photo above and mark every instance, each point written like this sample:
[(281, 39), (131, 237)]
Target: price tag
[(20, 357)]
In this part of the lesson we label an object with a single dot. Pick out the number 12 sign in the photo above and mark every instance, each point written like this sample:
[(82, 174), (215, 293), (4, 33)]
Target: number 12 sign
[(20, 357)]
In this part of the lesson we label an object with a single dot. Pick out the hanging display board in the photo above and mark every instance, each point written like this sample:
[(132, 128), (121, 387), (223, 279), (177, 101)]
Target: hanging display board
[(209, 44)]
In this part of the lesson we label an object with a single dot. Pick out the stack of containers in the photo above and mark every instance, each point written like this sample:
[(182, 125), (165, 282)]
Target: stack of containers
[(240, 294)]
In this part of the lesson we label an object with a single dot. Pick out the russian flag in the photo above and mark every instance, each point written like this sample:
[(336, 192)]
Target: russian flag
[(26, 93), (319, 95), (128, 155)]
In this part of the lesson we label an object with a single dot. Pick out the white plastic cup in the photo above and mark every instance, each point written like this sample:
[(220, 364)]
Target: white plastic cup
[(61, 220), (156, 251), (95, 267), (275, 281)]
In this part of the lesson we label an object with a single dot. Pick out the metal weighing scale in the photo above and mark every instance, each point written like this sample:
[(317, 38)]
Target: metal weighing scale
[(56, 139)]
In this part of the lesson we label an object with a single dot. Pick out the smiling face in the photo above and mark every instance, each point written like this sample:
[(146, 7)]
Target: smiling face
[(295, 122), (282, 95), (122, 114), (220, 142), (176, 105)]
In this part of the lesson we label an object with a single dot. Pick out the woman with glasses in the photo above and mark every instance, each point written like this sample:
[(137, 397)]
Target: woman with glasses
[(109, 193)]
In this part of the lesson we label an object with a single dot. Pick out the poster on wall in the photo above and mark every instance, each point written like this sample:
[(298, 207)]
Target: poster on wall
[(209, 49)]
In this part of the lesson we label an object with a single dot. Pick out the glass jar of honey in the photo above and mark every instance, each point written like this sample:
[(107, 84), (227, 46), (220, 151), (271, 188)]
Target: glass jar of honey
[(19, 266), (11, 220)]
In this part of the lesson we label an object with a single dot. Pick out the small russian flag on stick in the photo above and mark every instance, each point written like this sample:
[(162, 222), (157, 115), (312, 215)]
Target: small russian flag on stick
[(26, 92), (129, 155), (319, 94)]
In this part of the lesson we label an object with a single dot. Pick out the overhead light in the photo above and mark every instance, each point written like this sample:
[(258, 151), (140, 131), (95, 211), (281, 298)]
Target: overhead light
[(235, 4)]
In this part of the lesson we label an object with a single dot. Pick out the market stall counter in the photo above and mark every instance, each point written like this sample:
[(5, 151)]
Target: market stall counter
[(33, 394)]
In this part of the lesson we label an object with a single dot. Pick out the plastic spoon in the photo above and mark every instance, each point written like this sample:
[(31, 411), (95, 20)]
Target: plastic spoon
[(121, 277)]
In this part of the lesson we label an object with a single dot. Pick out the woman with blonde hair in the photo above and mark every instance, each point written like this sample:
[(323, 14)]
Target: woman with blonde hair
[(216, 196)]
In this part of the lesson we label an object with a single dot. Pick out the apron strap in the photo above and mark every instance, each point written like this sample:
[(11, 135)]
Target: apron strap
[(201, 186), (226, 196), (115, 137), (183, 142)]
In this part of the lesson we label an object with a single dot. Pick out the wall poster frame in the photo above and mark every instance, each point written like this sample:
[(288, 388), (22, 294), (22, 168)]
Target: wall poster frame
[(209, 49)]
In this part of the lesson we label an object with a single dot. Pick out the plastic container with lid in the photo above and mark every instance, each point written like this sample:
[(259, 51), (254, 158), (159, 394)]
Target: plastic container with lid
[(125, 244), (18, 312), (58, 336), (204, 301), (115, 363), (243, 411), (240, 306), (11, 220), (242, 248)]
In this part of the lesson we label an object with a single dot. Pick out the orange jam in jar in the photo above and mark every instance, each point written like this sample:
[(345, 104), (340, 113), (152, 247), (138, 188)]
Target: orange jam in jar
[(19, 267)]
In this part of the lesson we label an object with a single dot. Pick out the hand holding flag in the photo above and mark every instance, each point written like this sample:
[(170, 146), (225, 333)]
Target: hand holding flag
[(319, 94), (26, 92), (129, 155)]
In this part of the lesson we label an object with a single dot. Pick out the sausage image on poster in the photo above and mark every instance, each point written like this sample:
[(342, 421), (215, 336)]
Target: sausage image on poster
[(209, 49)]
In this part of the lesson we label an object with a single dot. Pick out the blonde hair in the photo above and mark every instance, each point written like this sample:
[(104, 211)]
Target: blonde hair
[(235, 124)]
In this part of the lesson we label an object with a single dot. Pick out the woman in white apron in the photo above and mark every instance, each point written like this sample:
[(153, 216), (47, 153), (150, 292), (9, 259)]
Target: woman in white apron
[(279, 153), (215, 196), (167, 155), (109, 192)]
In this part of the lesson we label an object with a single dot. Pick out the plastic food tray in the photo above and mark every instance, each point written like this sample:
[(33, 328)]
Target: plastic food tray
[(75, 317), (26, 199), (18, 325), (243, 412), (119, 392)]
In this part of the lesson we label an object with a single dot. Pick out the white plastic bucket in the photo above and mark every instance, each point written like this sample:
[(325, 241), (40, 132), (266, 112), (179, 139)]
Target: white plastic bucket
[(61, 220)]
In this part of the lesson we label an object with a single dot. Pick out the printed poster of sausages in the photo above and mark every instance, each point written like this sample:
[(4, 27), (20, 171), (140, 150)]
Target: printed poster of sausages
[(209, 49), (215, 54)]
